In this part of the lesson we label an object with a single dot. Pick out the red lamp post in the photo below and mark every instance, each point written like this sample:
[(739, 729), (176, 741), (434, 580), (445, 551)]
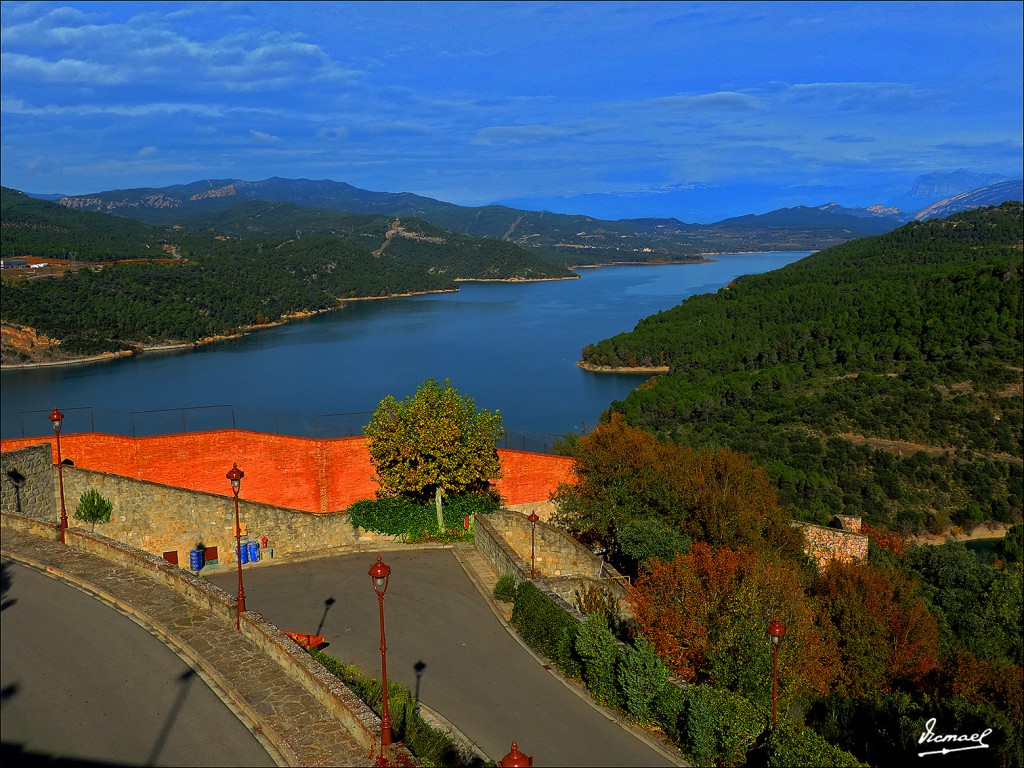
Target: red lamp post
[(515, 759), (235, 475), (533, 544), (379, 573), (56, 418), (776, 632)]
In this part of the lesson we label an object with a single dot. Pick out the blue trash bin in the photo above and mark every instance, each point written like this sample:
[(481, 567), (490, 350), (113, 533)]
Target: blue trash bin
[(243, 556), (195, 559), (254, 551)]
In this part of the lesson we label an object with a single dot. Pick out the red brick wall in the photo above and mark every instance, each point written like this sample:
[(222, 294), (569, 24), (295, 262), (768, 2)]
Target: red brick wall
[(298, 473)]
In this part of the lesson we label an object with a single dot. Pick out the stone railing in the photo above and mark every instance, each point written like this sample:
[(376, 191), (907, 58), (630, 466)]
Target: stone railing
[(354, 715)]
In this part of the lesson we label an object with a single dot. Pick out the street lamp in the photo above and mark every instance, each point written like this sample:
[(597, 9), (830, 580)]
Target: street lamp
[(533, 544), (235, 475), (776, 632), (56, 418), (515, 759), (379, 573)]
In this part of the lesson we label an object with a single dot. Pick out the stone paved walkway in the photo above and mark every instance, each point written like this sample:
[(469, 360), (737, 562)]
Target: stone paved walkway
[(302, 730)]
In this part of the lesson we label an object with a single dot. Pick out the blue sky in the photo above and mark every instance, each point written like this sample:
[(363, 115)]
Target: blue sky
[(482, 102)]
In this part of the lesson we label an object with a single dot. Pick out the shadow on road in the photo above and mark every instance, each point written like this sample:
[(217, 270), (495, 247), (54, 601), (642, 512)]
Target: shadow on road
[(419, 666), (8, 692), (327, 606), (185, 679), (15, 754), (5, 586)]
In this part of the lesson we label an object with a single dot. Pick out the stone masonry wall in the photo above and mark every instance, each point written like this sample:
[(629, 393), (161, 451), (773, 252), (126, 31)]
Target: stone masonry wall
[(557, 553), (159, 518), (28, 482), (827, 544), (564, 566)]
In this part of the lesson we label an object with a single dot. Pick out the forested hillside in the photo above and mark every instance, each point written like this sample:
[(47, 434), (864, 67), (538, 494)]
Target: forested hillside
[(280, 260), (32, 227), (572, 239), (881, 377)]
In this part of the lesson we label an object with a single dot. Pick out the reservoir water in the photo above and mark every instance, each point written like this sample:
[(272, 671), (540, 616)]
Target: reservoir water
[(513, 347)]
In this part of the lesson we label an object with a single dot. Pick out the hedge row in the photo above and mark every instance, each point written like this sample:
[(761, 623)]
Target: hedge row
[(429, 745), (417, 521), (714, 727)]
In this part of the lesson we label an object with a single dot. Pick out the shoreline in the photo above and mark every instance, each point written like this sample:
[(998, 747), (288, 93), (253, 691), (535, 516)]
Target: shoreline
[(151, 349), (636, 369), (659, 263)]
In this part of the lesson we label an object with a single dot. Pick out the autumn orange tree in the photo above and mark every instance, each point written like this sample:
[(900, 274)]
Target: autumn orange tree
[(706, 614), (886, 637), (433, 444), (641, 498)]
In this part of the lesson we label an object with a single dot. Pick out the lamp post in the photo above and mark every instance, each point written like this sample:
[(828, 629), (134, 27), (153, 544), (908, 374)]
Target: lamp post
[(379, 573), (533, 544), (776, 632), (515, 759), (235, 475), (56, 418)]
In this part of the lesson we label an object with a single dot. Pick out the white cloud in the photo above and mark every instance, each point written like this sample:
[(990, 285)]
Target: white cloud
[(147, 151), (32, 69), (266, 138), (19, 107)]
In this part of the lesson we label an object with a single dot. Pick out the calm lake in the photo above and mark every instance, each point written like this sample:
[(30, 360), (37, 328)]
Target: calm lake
[(513, 347)]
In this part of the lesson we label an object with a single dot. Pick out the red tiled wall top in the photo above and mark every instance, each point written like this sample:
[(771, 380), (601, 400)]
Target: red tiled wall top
[(298, 473)]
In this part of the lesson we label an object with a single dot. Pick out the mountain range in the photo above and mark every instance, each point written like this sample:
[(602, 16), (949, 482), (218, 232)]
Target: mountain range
[(575, 239)]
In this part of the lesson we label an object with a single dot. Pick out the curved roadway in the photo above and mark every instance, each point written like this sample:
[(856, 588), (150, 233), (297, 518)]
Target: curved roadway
[(82, 682), (445, 643)]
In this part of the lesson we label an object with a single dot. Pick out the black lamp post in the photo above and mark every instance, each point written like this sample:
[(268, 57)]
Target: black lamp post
[(379, 573), (56, 418), (776, 632), (533, 544), (235, 475)]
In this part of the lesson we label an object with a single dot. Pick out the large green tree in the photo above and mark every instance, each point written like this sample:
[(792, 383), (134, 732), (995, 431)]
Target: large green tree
[(433, 444)]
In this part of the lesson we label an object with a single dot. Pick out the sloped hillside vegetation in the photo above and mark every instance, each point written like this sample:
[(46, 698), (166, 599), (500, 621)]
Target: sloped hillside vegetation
[(881, 377)]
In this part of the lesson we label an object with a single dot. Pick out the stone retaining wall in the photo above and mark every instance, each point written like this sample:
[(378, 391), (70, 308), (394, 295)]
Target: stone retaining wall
[(825, 545), (160, 518), (565, 568), (28, 482), (351, 711)]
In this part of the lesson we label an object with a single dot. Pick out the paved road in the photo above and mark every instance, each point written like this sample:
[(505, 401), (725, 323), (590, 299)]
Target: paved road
[(81, 681), (444, 642)]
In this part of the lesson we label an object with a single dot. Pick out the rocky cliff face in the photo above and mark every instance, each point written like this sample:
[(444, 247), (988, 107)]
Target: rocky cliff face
[(228, 191), (98, 204), (994, 194)]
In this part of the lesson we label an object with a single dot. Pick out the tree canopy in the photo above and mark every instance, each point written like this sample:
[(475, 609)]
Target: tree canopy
[(638, 497), (433, 442)]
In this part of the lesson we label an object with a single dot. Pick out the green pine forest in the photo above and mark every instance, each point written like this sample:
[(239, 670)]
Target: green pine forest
[(250, 264), (880, 378)]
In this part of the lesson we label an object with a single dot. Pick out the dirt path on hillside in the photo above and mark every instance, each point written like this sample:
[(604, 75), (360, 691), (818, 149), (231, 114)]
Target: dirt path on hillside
[(904, 448)]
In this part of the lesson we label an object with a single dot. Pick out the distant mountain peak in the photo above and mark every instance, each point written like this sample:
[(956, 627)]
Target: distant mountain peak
[(993, 194)]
